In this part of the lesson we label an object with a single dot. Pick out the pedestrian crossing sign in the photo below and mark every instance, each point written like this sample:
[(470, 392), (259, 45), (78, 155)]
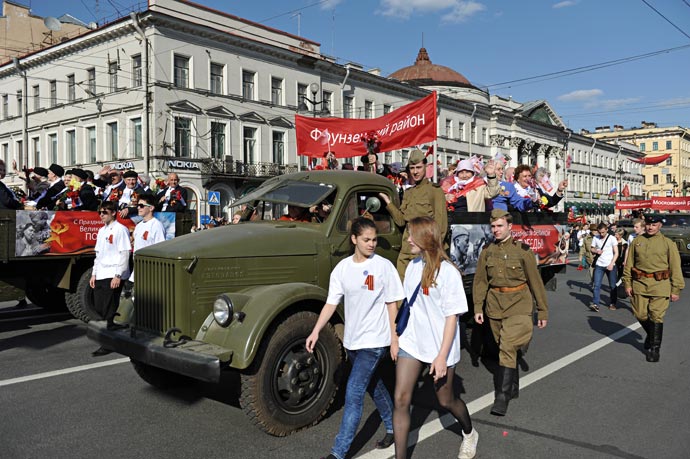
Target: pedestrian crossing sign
[(214, 198)]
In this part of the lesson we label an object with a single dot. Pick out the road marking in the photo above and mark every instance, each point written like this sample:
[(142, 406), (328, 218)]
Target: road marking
[(64, 371), (435, 426)]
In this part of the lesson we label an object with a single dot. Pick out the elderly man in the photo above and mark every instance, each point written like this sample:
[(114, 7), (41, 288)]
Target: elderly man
[(424, 199), (128, 199), (87, 195), (8, 200), (172, 198), (57, 186)]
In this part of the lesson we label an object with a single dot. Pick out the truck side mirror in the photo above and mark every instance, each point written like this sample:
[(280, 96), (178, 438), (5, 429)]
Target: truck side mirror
[(372, 204)]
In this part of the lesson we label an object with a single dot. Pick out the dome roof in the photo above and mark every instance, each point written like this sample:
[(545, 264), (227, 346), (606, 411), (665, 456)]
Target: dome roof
[(424, 73)]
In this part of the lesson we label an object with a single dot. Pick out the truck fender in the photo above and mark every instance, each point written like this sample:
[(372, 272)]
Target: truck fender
[(262, 305)]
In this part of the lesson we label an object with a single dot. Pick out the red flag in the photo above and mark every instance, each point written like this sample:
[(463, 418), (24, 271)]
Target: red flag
[(626, 191)]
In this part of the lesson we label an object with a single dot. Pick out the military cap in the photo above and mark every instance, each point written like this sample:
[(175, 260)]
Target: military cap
[(653, 218), (42, 171), (57, 169), (81, 173), (416, 157), (130, 174), (498, 213)]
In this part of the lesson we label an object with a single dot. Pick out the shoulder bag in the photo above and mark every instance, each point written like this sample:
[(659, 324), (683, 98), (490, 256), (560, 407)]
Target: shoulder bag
[(404, 312), (603, 246)]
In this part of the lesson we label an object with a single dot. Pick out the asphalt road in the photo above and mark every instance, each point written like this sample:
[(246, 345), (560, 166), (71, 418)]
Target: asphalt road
[(588, 393)]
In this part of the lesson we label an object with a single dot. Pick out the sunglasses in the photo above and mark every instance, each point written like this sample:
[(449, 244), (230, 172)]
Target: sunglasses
[(104, 212), (141, 206)]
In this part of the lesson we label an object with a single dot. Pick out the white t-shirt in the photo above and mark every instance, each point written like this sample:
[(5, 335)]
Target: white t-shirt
[(366, 287), (112, 239), (606, 257), (424, 333), (147, 233)]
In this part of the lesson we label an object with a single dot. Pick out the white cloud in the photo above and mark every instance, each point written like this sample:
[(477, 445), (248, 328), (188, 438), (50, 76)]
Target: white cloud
[(460, 10), (565, 4), (581, 95), (611, 104), (330, 4)]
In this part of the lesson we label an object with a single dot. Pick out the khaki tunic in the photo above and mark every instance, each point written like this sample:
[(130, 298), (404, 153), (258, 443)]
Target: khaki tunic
[(422, 200), (653, 254), (509, 263)]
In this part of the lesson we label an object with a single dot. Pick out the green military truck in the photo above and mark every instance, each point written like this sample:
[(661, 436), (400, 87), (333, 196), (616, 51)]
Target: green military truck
[(243, 298), (49, 255)]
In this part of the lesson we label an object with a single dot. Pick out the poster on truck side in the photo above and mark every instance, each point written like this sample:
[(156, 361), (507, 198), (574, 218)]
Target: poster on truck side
[(549, 243), (46, 233)]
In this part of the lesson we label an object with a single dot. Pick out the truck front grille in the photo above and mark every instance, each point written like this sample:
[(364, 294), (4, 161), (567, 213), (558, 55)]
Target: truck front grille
[(154, 294)]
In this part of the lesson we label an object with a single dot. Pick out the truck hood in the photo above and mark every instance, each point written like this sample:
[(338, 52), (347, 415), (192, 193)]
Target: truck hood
[(253, 239)]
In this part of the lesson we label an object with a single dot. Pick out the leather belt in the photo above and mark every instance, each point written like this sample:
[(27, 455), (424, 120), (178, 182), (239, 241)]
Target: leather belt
[(644, 274), (510, 289)]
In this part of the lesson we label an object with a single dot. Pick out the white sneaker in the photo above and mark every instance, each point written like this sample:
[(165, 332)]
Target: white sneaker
[(469, 445)]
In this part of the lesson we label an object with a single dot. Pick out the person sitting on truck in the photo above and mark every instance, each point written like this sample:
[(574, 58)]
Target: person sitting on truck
[(466, 191), (87, 196), (132, 190), (8, 200), (47, 199), (39, 183), (525, 195), (172, 198)]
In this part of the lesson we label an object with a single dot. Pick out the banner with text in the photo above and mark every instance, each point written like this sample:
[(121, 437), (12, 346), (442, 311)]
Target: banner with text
[(677, 203), (409, 125)]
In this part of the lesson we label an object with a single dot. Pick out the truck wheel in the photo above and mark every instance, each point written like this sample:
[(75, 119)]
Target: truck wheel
[(45, 296), (286, 388), (158, 377), (80, 303)]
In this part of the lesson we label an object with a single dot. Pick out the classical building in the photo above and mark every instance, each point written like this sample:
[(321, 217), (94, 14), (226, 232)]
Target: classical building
[(185, 88), (670, 177)]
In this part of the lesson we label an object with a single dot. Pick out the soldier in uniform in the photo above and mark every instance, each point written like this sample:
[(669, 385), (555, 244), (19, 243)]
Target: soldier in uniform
[(506, 285), (424, 199), (652, 275)]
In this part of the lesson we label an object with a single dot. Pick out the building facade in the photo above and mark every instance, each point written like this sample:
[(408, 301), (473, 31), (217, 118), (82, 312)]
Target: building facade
[(670, 177), (184, 88)]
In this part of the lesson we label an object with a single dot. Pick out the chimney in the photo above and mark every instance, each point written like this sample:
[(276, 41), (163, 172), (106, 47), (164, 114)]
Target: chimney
[(602, 129), (618, 127), (375, 71), (648, 124), (584, 132)]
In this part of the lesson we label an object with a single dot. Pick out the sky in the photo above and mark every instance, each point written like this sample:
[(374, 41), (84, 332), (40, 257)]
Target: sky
[(597, 63)]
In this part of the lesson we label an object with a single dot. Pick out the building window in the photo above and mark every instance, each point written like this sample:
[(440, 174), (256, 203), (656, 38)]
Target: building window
[(474, 134), (386, 109), (37, 97), (181, 71), (217, 140), (368, 109), (71, 95), (301, 94), (249, 137), (53, 148), (642, 146), (655, 146), (112, 76), (669, 179), (485, 136), (655, 179), (217, 71), (248, 84), (449, 129), (183, 137), (327, 101), (91, 144), (113, 148), (136, 71), (71, 147), (277, 91), (20, 103), (278, 147), (91, 82), (135, 130), (53, 93), (348, 106), (669, 161), (461, 131), (5, 106), (668, 145), (36, 150), (5, 152), (20, 154)]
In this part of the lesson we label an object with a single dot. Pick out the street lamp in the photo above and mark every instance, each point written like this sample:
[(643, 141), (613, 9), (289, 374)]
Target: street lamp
[(314, 88), (620, 173), (675, 185)]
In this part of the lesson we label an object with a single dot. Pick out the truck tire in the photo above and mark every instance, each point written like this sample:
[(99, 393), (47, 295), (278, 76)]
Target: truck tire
[(80, 303), (45, 296), (158, 377), (286, 388)]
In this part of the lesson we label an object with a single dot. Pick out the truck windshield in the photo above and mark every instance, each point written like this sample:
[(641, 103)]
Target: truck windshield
[(272, 199)]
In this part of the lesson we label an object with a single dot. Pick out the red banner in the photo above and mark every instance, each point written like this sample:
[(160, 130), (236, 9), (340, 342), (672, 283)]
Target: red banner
[(549, 242), (409, 125), (676, 203)]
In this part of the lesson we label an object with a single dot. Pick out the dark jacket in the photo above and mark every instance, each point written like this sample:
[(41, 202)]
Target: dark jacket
[(88, 199), (48, 200), (177, 206), (7, 199)]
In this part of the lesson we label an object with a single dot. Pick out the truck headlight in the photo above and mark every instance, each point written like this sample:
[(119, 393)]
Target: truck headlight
[(223, 310)]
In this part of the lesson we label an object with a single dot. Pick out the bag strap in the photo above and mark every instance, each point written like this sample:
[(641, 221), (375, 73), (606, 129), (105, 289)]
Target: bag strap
[(414, 295)]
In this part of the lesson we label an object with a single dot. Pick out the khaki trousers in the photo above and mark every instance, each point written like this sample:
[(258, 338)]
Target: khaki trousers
[(511, 334), (651, 308)]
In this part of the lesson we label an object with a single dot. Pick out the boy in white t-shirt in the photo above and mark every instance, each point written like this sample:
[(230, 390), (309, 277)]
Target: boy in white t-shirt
[(149, 230), (605, 250)]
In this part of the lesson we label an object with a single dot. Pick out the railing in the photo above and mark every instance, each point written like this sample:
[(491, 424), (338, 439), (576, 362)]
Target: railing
[(239, 168)]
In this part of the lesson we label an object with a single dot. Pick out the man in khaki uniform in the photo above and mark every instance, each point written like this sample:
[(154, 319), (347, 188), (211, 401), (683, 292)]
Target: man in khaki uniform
[(506, 285), (652, 275), (424, 199)]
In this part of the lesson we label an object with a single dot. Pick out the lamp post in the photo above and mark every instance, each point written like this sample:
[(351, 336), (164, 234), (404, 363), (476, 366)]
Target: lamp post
[(620, 173), (314, 89), (675, 185)]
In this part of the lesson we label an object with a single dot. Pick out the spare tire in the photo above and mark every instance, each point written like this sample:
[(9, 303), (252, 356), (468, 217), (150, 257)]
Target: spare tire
[(80, 303)]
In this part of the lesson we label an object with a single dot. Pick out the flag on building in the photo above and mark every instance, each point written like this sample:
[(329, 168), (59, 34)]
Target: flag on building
[(613, 191)]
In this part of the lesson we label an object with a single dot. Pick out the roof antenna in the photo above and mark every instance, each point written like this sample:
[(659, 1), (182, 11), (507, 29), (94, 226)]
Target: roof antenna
[(422, 39)]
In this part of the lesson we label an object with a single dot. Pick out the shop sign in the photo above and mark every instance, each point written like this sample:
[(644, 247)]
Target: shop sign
[(123, 165), (179, 164)]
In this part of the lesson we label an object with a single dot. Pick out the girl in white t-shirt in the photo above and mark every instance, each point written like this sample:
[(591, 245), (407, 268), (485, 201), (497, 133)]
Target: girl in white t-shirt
[(370, 287), (431, 336)]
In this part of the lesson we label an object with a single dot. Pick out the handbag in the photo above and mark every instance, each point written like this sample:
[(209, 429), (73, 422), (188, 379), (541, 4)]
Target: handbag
[(404, 312)]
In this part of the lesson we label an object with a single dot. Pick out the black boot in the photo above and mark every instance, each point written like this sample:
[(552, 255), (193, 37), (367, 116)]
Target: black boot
[(504, 389), (515, 386), (655, 340), (645, 326)]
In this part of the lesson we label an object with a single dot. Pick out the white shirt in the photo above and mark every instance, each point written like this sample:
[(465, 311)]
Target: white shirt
[(424, 333), (147, 233), (606, 258), (112, 244), (366, 287)]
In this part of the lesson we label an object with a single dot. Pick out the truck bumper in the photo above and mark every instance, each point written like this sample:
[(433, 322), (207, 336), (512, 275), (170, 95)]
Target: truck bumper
[(192, 358)]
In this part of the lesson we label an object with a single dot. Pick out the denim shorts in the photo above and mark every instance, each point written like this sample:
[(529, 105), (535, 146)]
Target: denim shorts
[(405, 355)]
